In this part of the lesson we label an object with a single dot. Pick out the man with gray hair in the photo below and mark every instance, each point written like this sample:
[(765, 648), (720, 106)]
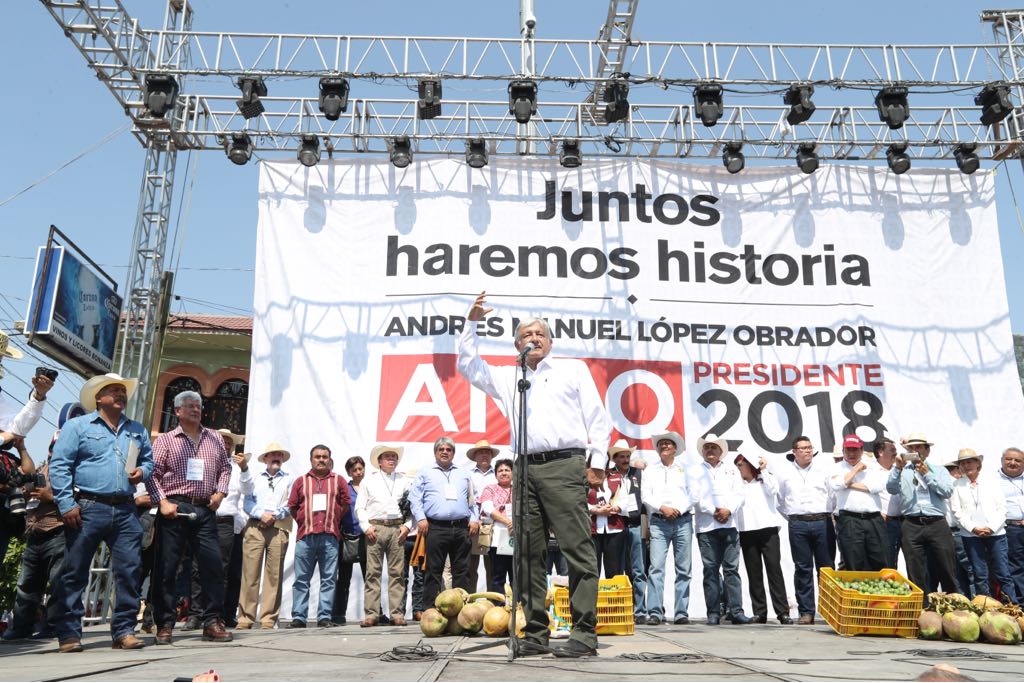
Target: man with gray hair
[(1011, 481), (444, 508)]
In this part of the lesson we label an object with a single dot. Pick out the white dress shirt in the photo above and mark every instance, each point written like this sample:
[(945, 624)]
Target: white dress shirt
[(239, 486), (892, 504), (661, 485), (850, 499), (760, 504), (716, 487), (980, 504), (1013, 494), (563, 406), (804, 491), (378, 497), (20, 419)]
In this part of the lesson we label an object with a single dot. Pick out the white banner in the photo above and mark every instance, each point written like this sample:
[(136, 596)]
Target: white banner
[(761, 306)]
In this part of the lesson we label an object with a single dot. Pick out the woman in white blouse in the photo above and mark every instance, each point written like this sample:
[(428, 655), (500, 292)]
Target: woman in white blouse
[(758, 522), (980, 510)]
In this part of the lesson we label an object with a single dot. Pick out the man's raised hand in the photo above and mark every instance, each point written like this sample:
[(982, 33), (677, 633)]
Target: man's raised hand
[(477, 311)]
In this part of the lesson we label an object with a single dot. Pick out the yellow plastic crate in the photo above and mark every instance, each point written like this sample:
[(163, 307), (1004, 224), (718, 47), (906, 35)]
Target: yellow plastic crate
[(852, 613), (614, 606)]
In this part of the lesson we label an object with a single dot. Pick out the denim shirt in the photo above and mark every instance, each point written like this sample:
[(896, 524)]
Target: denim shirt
[(90, 456)]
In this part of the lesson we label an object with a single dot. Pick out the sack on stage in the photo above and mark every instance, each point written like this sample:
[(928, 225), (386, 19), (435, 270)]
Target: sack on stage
[(482, 542), (350, 548)]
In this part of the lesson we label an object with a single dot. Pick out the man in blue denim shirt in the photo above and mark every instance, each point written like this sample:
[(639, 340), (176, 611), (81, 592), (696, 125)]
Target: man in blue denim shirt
[(93, 484)]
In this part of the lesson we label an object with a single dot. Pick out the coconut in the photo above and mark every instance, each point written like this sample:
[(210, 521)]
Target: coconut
[(961, 626), (450, 602), (1020, 622), (496, 622), (985, 602), (463, 592), (483, 601), (454, 628), (471, 618), (433, 623), (999, 628), (929, 626), (520, 621)]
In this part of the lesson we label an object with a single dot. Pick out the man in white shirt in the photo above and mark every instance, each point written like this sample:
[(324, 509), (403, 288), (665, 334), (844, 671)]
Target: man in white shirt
[(482, 475), (1011, 481), (717, 494), (666, 496), (859, 529), (385, 526), (885, 455), (806, 501), (568, 436)]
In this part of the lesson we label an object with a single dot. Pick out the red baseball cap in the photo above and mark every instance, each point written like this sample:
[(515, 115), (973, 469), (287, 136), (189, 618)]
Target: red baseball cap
[(852, 441)]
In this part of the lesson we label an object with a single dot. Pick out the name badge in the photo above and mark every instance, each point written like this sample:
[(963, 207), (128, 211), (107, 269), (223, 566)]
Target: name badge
[(194, 470), (449, 492), (319, 502)]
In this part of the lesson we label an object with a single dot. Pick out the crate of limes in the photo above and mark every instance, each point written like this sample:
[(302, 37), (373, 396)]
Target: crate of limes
[(880, 603)]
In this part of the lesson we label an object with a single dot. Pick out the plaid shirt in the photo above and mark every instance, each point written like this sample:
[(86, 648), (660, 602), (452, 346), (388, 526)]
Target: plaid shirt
[(171, 453)]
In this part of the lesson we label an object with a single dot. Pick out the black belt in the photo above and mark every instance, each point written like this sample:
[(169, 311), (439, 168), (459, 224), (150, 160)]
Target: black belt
[(226, 519), (922, 519), (1015, 522), (859, 515), (191, 500), (661, 516), (560, 454), (44, 535), (816, 517), (106, 500), (453, 523), (895, 518)]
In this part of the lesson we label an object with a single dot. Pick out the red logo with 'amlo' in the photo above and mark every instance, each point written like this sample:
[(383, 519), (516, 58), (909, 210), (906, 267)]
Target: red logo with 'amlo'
[(423, 397)]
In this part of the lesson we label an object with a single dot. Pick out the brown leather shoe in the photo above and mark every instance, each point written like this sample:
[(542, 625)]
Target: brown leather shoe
[(163, 635), (416, 616), (369, 621), (398, 621), (70, 645), (805, 619), (127, 642), (216, 633)]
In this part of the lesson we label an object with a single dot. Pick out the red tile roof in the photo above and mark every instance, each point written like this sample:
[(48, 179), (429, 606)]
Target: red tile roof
[(239, 324)]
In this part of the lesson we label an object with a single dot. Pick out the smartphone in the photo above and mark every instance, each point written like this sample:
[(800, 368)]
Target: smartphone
[(239, 448), (911, 458), (47, 372)]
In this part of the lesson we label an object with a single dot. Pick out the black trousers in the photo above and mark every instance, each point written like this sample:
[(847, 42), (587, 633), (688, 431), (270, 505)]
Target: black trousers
[(230, 546), (446, 542), (761, 555), (201, 537), (610, 550), (864, 542), (929, 551), (344, 583)]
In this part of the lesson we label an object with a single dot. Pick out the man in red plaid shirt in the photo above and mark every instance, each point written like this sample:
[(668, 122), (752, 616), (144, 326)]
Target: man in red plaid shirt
[(190, 479)]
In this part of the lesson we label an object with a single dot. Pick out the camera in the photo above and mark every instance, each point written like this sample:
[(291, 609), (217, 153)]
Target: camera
[(911, 458), (47, 372), (18, 483)]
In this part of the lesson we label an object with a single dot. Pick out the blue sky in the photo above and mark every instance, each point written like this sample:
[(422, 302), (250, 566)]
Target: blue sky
[(54, 109)]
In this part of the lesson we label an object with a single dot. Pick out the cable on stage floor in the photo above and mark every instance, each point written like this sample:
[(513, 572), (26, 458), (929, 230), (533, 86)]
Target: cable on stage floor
[(677, 658), (410, 653)]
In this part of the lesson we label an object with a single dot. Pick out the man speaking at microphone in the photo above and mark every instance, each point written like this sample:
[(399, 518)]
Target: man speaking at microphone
[(567, 445)]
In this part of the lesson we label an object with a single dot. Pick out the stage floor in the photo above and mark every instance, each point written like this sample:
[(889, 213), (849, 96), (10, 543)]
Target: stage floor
[(695, 652)]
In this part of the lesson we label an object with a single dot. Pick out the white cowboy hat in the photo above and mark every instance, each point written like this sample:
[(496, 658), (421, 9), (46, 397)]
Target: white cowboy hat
[(917, 438), (274, 447), (621, 446), (94, 385), (6, 350), (715, 439), (673, 437), (380, 449), (967, 454), (235, 438), (482, 445)]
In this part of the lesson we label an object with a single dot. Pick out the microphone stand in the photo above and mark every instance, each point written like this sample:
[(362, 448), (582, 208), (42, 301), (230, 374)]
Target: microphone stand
[(519, 498)]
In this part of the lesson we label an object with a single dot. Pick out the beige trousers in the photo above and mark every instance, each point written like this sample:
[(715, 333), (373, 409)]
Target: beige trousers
[(263, 550), (387, 545)]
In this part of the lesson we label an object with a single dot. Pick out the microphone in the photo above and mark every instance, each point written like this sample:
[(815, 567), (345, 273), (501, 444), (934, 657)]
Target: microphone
[(530, 346), (191, 516)]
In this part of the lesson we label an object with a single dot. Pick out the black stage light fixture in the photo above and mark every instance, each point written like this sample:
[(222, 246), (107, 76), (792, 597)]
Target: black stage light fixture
[(798, 97), (707, 99), (570, 156), (966, 155), (252, 89), (616, 94), (897, 158), (240, 150), (995, 103), (807, 157), (476, 153), (429, 104), (893, 107), (333, 97), (522, 100), (159, 94), (309, 150), (401, 151), (732, 157)]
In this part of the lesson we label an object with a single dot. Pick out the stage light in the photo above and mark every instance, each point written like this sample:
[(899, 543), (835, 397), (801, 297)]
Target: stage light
[(732, 157), (798, 97), (401, 151), (995, 103), (522, 100), (966, 155), (240, 150), (897, 158), (570, 156), (429, 104), (159, 94), (309, 150), (476, 153), (616, 94), (333, 97), (707, 99), (807, 157), (252, 89), (893, 107)]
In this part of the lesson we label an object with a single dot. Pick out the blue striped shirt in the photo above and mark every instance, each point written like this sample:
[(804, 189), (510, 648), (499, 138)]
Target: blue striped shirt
[(427, 496)]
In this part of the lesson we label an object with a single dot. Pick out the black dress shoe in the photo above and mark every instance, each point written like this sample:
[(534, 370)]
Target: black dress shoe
[(741, 619), (760, 620), (297, 623), (574, 648), (713, 620), (681, 621), (640, 620), (325, 623), (191, 624), (786, 620), (531, 648), (654, 620)]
